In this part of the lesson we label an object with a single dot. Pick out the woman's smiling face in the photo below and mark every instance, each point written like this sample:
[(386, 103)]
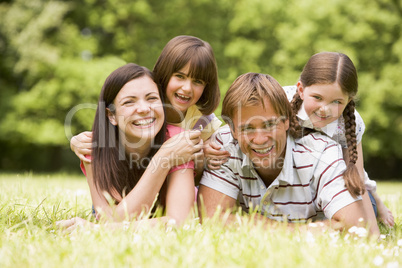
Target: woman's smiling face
[(138, 110), (324, 103)]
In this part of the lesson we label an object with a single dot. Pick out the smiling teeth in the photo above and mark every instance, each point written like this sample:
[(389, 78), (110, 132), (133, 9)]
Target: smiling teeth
[(323, 117), (182, 96), (263, 151), (144, 122)]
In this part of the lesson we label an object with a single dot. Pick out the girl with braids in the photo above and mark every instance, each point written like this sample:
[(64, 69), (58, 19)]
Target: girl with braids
[(131, 159), (323, 100)]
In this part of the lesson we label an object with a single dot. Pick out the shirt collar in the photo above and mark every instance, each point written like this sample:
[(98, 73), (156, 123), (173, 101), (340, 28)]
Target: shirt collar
[(305, 121), (286, 174)]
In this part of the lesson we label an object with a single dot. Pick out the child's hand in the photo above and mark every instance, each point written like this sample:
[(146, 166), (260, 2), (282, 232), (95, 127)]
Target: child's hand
[(214, 156), (385, 215), (183, 147), (81, 145)]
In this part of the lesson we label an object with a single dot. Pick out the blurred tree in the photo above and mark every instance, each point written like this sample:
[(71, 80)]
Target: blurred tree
[(55, 56)]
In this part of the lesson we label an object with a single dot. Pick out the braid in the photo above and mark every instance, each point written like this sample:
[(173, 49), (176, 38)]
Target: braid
[(351, 175), (295, 129)]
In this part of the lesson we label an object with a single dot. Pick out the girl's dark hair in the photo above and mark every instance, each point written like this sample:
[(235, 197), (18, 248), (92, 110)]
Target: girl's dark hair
[(112, 171), (189, 49), (328, 68)]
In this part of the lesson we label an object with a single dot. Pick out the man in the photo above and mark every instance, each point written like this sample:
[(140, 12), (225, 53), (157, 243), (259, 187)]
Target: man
[(297, 180)]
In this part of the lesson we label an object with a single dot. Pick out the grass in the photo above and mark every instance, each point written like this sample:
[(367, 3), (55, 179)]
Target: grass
[(31, 204)]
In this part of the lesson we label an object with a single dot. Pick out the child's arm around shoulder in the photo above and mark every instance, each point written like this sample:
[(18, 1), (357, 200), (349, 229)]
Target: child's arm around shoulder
[(81, 145), (214, 156)]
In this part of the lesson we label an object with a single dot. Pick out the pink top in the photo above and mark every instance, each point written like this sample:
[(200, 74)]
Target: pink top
[(171, 131)]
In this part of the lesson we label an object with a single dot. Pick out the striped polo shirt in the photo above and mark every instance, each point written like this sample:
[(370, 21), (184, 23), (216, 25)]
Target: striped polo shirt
[(309, 187)]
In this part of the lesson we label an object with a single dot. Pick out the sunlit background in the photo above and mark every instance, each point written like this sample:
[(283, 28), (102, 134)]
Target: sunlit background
[(55, 55)]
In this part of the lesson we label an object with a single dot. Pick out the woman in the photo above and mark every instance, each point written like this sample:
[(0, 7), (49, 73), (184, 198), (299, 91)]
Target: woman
[(130, 159)]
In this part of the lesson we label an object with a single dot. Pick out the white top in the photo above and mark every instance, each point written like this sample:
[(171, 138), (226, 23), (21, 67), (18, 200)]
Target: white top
[(192, 117), (335, 130), (310, 185)]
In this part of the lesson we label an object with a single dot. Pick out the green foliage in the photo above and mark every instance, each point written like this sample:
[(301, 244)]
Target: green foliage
[(56, 54), (42, 112)]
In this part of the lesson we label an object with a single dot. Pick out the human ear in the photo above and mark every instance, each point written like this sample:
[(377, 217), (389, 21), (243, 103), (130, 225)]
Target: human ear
[(111, 116), (286, 124), (234, 133), (232, 129), (300, 89)]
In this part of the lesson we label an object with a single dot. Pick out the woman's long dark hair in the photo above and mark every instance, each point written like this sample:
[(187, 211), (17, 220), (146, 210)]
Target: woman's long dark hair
[(113, 172)]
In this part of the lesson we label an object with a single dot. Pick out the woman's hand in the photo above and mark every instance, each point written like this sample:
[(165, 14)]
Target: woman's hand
[(214, 156), (81, 145), (183, 147), (74, 223)]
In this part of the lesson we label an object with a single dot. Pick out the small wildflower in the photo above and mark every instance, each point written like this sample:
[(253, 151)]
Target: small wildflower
[(393, 264), (387, 252), (400, 242), (126, 225), (378, 260), (171, 222), (136, 238), (80, 192), (310, 237), (383, 236), (361, 232), (334, 237), (314, 225), (346, 237)]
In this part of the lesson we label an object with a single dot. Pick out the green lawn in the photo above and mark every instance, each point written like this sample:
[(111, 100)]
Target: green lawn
[(30, 205)]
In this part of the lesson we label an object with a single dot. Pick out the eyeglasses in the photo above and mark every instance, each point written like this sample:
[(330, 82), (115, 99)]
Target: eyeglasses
[(267, 126)]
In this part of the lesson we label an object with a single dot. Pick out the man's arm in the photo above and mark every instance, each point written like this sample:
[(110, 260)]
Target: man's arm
[(209, 200)]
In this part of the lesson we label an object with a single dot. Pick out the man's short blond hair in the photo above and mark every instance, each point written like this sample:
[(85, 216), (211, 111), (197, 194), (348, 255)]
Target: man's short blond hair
[(250, 89)]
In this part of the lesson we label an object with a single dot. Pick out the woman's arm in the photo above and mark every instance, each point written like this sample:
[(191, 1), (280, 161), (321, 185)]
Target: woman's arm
[(175, 151), (98, 201), (180, 196)]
